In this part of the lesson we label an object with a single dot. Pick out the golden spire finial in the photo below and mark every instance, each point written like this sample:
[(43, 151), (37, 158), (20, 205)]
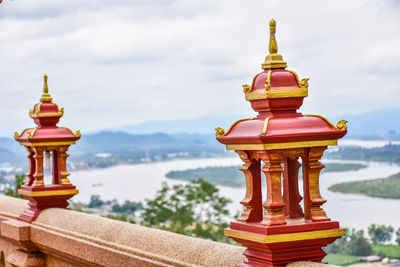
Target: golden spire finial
[(45, 96), (273, 46), (273, 60)]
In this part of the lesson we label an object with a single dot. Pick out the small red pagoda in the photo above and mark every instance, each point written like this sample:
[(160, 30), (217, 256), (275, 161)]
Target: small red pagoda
[(46, 141), (277, 142)]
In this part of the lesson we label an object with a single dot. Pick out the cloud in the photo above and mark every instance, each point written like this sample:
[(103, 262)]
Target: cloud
[(114, 63)]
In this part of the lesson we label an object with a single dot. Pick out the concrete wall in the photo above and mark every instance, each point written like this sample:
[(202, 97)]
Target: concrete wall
[(65, 238), (69, 238)]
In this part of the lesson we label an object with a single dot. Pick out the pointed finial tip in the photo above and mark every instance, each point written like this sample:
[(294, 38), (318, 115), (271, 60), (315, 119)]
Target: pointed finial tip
[(272, 23), (45, 96)]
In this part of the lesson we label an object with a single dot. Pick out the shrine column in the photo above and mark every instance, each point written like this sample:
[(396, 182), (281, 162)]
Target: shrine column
[(32, 166), (274, 204), (38, 175), (291, 194), (56, 167), (63, 164), (312, 197), (252, 200)]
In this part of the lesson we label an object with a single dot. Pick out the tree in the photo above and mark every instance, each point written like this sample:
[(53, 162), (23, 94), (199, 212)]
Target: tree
[(353, 243), (194, 209), (13, 191), (380, 233), (357, 244), (95, 201), (398, 237), (127, 207)]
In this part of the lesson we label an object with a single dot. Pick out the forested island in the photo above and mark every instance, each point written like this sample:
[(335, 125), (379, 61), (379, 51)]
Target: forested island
[(384, 187), (230, 176)]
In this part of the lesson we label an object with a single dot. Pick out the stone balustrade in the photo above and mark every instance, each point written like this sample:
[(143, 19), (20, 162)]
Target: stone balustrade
[(62, 237)]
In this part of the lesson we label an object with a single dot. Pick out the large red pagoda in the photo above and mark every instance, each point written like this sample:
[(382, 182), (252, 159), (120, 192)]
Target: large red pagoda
[(46, 141), (279, 230)]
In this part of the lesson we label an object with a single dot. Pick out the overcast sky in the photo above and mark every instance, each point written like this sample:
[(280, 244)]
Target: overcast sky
[(113, 63)]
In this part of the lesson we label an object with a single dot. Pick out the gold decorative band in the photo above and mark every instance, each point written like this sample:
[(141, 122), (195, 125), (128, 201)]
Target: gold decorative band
[(47, 193), (67, 143), (272, 146), (270, 239), (281, 93)]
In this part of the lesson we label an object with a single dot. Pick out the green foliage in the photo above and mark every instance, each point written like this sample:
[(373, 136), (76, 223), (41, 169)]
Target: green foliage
[(398, 237), (13, 191), (353, 243), (231, 176), (194, 209), (383, 187), (389, 153), (389, 251), (380, 233), (127, 207), (343, 167), (341, 259), (95, 201), (77, 206)]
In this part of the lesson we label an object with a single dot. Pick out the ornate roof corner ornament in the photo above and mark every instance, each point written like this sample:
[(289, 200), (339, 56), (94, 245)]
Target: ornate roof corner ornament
[(304, 83), (219, 131), (273, 60), (246, 88), (341, 125)]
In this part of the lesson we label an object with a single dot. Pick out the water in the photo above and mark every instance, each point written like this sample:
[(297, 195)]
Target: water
[(138, 182), (366, 143)]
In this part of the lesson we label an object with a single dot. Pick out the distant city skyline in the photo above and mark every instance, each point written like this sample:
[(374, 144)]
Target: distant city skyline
[(115, 63)]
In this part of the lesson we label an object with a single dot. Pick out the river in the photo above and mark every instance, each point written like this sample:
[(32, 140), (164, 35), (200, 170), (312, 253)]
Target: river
[(141, 181)]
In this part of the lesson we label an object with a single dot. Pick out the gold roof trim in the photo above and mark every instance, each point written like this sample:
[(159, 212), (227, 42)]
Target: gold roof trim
[(303, 83), (64, 143), (48, 193), (221, 132), (31, 133), (77, 133), (286, 145), (264, 131), (341, 125), (281, 93), (279, 238), (247, 88)]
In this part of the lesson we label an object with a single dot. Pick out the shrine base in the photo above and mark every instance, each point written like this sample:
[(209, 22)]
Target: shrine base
[(279, 245), (43, 197)]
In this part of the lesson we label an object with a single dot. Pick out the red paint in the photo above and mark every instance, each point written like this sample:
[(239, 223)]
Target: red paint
[(282, 213), (47, 136)]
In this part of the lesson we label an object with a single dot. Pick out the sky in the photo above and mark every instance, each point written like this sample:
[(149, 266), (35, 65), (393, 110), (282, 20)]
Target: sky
[(114, 63)]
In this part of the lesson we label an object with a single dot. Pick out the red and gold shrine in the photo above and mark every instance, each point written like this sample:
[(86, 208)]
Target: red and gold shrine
[(277, 142), (44, 142)]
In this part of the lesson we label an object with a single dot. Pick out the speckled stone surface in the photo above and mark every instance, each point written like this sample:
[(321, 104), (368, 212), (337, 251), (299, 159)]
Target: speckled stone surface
[(186, 249), (123, 238)]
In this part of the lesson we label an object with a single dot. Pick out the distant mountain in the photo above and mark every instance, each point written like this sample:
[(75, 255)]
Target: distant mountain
[(120, 142), (373, 125), (370, 125), (203, 125), (108, 148)]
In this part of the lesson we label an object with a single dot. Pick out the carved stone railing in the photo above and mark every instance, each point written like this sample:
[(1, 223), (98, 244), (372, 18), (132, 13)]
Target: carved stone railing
[(62, 237)]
